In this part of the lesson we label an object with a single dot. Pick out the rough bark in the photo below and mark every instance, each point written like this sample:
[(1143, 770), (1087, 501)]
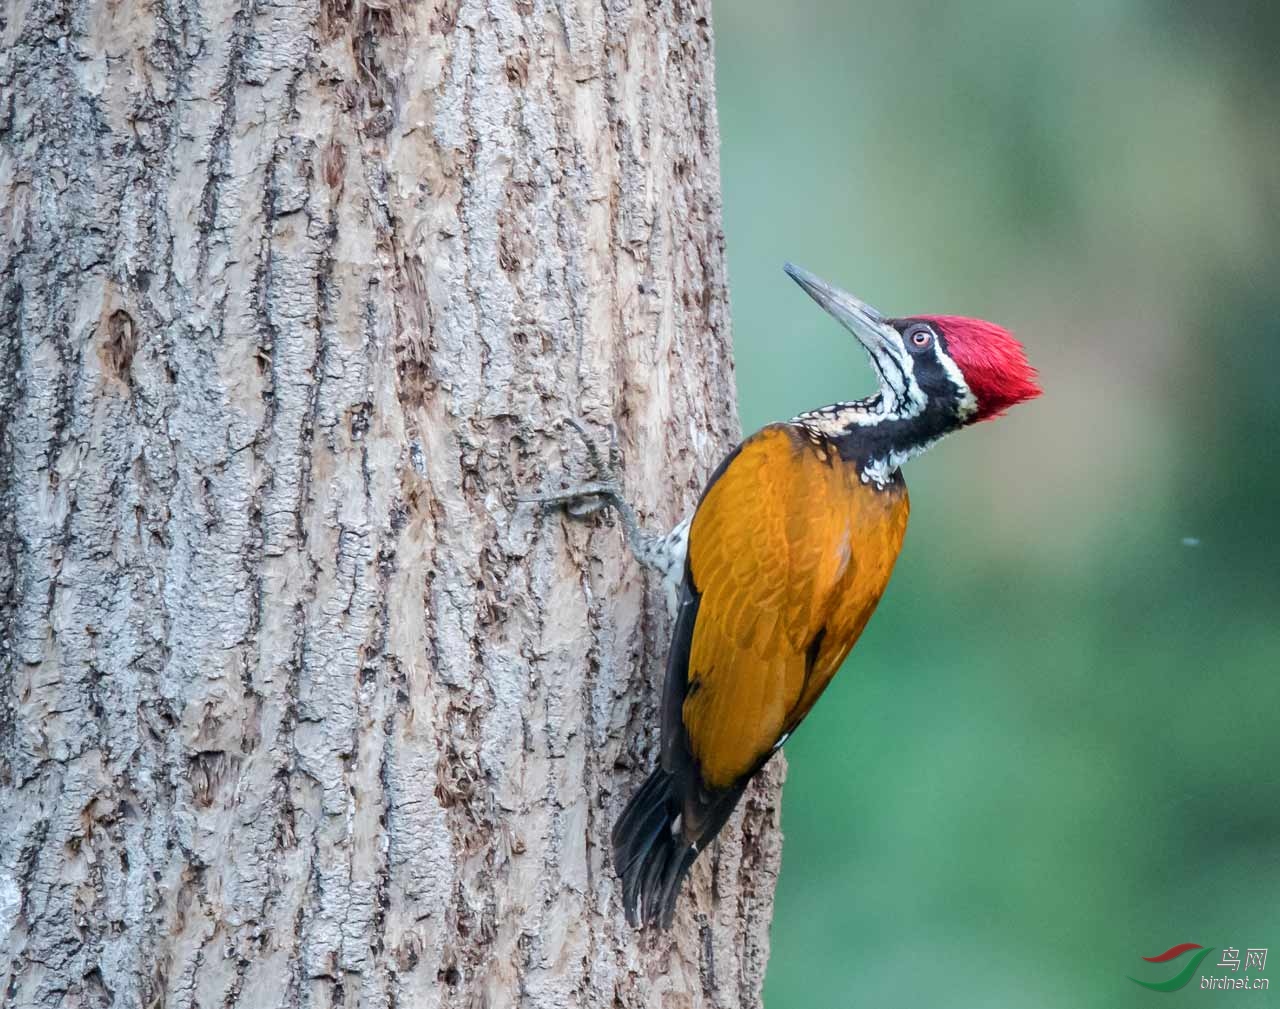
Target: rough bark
[(299, 706)]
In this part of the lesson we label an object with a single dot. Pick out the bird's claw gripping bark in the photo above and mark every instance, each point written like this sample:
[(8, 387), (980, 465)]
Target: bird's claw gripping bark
[(663, 554), (587, 498), (579, 500), (606, 491)]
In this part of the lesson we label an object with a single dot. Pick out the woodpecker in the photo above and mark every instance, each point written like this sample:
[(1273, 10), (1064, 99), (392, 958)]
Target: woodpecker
[(780, 567)]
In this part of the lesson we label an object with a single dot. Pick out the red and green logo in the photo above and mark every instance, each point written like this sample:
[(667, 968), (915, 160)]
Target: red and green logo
[(1180, 979)]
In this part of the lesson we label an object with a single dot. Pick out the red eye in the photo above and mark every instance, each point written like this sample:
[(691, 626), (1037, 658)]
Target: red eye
[(921, 337)]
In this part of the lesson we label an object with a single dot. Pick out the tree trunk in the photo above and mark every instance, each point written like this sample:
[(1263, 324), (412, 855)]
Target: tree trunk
[(300, 706)]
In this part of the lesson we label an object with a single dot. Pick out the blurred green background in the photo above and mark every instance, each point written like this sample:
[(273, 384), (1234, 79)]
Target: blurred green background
[(1056, 748)]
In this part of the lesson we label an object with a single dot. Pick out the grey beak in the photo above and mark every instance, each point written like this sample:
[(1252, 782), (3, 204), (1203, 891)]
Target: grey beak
[(856, 316), (884, 344)]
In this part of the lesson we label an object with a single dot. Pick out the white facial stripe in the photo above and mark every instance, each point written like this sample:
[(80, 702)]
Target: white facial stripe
[(968, 402)]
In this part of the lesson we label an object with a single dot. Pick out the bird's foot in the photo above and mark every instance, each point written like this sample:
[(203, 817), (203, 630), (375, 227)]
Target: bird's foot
[(578, 500), (603, 490), (663, 554)]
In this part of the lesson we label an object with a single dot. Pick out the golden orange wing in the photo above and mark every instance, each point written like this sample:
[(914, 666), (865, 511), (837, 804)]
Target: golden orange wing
[(790, 552)]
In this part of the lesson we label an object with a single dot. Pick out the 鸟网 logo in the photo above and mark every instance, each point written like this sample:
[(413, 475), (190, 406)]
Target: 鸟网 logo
[(1180, 979)]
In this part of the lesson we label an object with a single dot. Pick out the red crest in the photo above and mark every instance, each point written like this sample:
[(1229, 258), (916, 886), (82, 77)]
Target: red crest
[(992, 361)]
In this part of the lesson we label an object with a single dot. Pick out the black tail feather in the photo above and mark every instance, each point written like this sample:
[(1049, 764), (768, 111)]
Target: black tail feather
[(657, 839), (650, 856)]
